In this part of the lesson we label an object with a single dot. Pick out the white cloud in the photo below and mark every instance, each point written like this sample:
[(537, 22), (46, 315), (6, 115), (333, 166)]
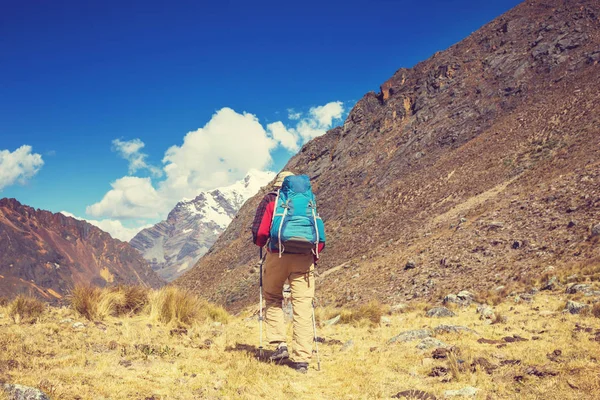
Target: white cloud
[(18, 166), (293, 115), (130, 150), (130, 197), (283, 136), (114, 227), (319, 120), (216, 155)]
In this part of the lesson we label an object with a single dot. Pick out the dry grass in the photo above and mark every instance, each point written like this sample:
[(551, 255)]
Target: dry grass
[(24, 309), (133, 357), (171, 305), (596, 310), (370, 312), (84, 299)]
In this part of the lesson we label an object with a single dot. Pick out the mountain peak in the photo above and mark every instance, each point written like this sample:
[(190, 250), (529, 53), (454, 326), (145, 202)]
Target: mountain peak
[(174, 245)]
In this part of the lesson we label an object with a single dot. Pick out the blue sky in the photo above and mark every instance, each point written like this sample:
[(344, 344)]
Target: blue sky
[(103, 94)]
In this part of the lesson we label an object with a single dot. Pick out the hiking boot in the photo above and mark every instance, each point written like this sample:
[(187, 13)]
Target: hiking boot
[(279, 354), (301, 367)]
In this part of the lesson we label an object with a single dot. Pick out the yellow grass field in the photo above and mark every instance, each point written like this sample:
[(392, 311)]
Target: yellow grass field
[(138, 357)]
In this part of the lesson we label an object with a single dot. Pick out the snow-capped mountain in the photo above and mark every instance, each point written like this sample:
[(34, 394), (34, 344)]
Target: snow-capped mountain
[(174, 245)]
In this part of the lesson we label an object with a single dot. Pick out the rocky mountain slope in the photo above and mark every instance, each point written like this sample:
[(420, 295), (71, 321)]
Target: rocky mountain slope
[(175, 245), (45, 254), (477, 168)]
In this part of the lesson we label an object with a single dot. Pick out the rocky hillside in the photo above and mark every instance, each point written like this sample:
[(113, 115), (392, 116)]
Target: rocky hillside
[(175, 245), (45, 254), (474, 169)]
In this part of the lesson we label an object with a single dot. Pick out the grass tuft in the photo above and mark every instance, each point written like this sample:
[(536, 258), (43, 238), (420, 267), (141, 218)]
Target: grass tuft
[(171, 305), (24, 309), (84, 299)]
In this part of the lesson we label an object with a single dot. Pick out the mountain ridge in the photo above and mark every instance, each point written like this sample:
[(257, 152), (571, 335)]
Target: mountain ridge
[(45, 254), (175, 244), (429, 169)]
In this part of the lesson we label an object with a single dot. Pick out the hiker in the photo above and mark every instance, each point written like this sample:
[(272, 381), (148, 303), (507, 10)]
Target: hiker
[(291, 260)]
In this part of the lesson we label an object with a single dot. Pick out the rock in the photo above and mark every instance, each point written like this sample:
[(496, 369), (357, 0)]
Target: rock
[(574, 307), (486, 312), (495, 225), (453, 329), (464, 299), (465, 295), (468, 391), (348, 345), (410, 264), (578, 288), (499, 289), (386, 321), (514, 338), (66, 321), (398, 308), (414, 394), (79, 325), (411, 335), (484, 364), (550, 284), (430, 343), (333, 320), (440, 312), (596, 230), (516, 244), (20, 392), (540, 372)]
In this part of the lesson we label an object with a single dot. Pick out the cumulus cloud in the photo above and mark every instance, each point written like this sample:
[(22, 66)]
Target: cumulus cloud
[(293, 115), (114, 227), (319, 120), (130, 197), (18, 166), (216, 155), (283, 136), (130, 151)]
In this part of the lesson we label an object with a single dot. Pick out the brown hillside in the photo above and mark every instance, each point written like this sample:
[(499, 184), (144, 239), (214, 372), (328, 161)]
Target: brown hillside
[(46, 254), (481, 165)]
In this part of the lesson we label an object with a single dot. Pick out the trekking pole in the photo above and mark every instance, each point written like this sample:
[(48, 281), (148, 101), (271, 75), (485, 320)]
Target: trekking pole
[(260, 309), (315, 333)]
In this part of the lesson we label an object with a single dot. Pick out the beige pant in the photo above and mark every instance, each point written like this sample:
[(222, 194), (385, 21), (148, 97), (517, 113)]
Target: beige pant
[(299, 270)]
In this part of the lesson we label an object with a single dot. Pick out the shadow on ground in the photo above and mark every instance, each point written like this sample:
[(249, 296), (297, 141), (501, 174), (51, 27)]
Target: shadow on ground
[(255, 353)]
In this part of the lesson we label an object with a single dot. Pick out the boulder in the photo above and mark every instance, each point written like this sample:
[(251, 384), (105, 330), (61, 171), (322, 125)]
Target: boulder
[(574, 307), (578, 288), (468, 391), (411, 335), (431, 343), (20, 392), (440, 312)]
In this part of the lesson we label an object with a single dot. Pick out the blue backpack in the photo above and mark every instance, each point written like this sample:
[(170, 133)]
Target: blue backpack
[(296, 227)]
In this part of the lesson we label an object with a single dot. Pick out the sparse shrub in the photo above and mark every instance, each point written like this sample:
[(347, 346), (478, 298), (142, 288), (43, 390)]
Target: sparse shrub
[(136, 298), (372, 311), (182, 307), (596, 310), (454, 366), (96, 304), (84, 299), (25, 309)]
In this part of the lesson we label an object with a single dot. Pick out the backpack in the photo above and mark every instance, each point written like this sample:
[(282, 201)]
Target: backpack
[(296, 227)]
